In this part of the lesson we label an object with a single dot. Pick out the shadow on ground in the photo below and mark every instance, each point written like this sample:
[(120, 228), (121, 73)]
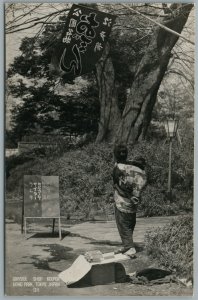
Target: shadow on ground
[(47, 235), (139, 246), (58, 256), (57, 253)]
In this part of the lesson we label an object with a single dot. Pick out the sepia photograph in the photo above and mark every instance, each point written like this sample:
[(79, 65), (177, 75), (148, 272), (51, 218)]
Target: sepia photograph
[(99, 149)]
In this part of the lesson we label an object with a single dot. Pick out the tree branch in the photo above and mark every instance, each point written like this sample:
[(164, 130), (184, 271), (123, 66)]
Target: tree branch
[(12, 29), (159, 24)]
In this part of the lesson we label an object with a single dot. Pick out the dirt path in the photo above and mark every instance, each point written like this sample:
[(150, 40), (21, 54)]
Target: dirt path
[(33, 264)]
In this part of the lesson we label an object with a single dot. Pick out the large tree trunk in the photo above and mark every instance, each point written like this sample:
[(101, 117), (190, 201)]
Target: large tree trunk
[(141, 100), (110, 115)]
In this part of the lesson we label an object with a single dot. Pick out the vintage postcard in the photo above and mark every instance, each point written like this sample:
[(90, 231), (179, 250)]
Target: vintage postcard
[(99, 149)]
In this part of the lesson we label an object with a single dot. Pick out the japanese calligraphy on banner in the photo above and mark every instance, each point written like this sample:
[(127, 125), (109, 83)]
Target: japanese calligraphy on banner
[(84, 37), (41, 196)]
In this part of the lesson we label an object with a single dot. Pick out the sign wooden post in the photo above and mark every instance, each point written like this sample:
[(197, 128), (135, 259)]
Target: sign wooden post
[(41, 200)]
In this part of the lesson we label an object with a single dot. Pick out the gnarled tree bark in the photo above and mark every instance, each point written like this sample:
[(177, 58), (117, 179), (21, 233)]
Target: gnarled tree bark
[(141, 100), (110, 115)]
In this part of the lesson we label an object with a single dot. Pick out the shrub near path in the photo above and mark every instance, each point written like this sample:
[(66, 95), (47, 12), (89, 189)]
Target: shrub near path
[(172, 246)]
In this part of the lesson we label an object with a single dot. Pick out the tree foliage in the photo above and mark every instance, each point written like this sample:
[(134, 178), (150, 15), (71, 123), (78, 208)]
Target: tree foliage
[(129, 44), (42, 110)]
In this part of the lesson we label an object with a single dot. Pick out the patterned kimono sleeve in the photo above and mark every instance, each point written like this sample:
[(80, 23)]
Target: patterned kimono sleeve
[(140, 184)]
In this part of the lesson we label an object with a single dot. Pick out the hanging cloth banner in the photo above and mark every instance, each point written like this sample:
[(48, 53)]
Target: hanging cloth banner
[(83, 40)]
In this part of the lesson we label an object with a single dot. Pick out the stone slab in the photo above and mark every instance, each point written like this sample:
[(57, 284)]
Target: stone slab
[(100, 272)]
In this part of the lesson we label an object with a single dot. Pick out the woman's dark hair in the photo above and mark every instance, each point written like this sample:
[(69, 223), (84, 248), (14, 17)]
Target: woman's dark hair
[(120, 152)]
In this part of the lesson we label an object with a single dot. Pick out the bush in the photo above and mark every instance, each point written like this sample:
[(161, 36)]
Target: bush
[(154, 203), (86, 183), (84, 176), (172, 245), (15, 160)]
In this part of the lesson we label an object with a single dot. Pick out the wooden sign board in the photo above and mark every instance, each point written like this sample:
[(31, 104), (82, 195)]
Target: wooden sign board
[(41, 198)]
